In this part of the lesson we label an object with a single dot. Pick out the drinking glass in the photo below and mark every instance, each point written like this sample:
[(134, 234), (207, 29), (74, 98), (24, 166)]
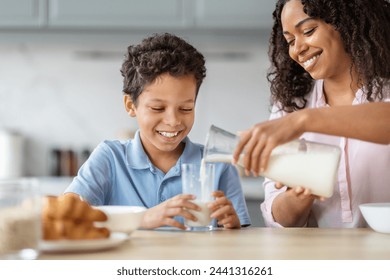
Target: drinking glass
[(20, 222), (220, 145), (198, 179)]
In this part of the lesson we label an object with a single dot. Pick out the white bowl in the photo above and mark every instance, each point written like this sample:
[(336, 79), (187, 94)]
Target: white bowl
[(377, 216), (122, 218)]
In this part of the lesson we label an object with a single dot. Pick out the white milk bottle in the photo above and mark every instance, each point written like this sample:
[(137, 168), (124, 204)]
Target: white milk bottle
[(297, 163), (307, 164)]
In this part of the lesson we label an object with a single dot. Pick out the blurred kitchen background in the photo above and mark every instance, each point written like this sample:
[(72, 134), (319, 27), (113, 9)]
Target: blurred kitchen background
[(61, 89)]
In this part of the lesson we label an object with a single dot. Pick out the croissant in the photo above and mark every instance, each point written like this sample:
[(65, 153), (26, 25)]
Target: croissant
[(69, 217)]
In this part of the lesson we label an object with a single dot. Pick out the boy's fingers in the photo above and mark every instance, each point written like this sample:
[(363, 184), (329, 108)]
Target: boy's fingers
[(217, 193)]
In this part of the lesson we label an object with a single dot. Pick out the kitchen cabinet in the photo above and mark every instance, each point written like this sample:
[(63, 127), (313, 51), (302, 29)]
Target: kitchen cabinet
[(136, 14), (116, 13), (233, 14), (178, 14), (22, 13)]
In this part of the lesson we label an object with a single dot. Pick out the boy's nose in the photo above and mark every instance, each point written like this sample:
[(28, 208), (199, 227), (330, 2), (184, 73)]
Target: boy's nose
[(172, 118)]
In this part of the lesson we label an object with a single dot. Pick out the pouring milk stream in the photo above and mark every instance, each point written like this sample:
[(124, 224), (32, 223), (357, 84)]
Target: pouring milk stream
[(297, 163)]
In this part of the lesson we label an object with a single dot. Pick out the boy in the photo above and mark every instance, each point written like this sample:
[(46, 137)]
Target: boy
[(162, 76)]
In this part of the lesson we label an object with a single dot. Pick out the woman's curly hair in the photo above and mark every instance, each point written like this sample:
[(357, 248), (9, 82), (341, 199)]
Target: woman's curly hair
[(363, 26), (156, 55)]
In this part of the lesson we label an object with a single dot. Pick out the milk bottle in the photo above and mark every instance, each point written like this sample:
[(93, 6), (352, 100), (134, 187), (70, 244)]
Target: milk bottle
[(314, 168), (297, 163)]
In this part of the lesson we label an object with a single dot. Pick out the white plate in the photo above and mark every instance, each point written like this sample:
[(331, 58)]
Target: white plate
[(113, 241)]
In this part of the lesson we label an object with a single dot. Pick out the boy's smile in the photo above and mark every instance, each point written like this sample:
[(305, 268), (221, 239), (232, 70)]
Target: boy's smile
[(165, 113), (169, 134)]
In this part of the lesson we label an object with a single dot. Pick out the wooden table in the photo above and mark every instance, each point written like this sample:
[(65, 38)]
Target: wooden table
[(249, 243)]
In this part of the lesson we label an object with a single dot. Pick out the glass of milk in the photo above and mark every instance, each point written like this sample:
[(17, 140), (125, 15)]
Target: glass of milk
[(20, 219), (198, 179)]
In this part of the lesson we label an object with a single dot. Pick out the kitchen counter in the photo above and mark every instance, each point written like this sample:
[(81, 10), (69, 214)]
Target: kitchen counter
[(248, 243)]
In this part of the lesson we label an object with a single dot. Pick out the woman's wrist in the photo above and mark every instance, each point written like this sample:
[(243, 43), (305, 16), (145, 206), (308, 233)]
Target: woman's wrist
[(303, 121)]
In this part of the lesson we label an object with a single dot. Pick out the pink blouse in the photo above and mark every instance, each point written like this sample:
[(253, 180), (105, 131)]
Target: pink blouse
[(363, 175)]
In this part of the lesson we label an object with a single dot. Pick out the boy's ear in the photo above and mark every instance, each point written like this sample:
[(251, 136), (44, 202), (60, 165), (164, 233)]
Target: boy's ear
[(129, 106)]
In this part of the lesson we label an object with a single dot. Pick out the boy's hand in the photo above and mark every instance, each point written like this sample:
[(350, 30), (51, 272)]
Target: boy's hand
[(162, 214), (223, 210)]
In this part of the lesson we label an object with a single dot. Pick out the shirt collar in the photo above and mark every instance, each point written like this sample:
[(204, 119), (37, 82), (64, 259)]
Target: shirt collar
[(136, 155), (138, 159), (360, 96), (321, 100)]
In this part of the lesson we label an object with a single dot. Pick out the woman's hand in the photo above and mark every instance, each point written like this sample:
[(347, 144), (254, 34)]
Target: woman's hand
[(258, 142), (222, 209), (162, 214), (301, 192), (292, 207)]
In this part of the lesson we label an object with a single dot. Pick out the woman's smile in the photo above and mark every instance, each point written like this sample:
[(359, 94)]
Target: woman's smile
[(308, 64)]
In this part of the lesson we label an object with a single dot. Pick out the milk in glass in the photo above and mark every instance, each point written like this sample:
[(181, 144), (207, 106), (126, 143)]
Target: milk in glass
[(203, 216), (199, 180)]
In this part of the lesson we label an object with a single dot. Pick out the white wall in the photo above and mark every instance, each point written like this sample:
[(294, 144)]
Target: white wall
[(56, 97)]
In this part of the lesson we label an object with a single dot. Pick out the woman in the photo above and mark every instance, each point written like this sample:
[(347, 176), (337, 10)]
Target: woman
[(327, 54)]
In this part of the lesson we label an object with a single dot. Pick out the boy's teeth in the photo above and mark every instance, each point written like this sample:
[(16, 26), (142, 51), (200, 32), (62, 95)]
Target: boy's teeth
[(308, 62), (168, 134)]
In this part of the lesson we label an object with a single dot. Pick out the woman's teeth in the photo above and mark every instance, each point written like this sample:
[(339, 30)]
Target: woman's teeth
[(168, 134), (310, 61)]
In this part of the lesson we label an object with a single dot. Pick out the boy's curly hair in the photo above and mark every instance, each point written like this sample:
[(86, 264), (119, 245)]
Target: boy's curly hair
[(363, 26), (156, 55)]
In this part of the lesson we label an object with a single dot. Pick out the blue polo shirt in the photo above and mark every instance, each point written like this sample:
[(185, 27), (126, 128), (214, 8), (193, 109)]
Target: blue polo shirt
[(120, 173)]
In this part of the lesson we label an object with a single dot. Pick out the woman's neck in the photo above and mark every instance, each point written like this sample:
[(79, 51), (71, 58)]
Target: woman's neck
[(340, 91)]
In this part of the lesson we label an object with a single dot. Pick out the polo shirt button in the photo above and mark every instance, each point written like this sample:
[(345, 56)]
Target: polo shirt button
[(162, 199)]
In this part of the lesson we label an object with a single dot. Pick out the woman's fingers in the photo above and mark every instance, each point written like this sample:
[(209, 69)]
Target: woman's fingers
[(278, 185), (256, 156), (244, 138)]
